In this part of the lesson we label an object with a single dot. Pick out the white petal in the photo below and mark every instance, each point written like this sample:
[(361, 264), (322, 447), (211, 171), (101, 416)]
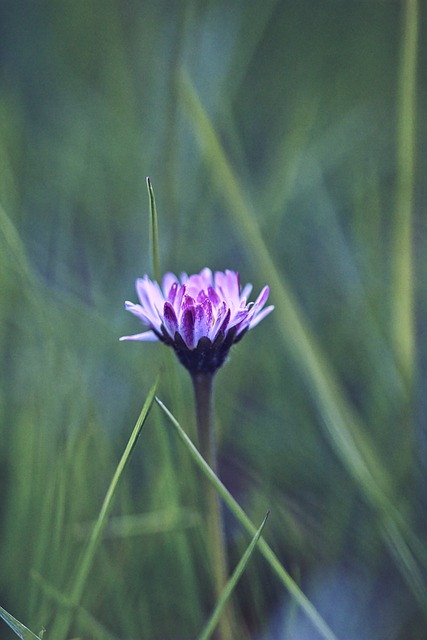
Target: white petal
[(260, 316), (147, 336), (246, 292)]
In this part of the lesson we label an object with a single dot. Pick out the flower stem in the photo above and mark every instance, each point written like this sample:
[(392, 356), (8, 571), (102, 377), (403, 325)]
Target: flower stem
[(204, 397)]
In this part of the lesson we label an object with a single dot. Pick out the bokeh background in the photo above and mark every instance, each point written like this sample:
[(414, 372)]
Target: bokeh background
[(279, 138)]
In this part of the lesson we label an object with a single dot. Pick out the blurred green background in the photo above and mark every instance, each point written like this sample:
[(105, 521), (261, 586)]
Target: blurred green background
[(279, 139)]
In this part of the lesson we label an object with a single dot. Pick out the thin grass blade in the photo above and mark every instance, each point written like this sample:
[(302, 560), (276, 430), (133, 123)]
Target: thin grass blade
[(154, 233), (231, 584), (108, 500), (64, 620), (17, 627), (247, 524)]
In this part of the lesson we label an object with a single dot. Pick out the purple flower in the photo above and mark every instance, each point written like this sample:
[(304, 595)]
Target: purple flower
[(200, 316)]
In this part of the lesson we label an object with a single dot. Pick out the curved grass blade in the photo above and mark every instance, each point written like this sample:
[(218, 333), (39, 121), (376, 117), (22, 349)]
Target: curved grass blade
[(154, 233), (231, 584), (17, 627), (347, 438), (65, 618), (247, 524), (340, 419)]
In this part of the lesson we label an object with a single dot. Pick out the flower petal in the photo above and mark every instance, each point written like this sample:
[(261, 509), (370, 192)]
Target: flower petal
[(147, 336), (169, 319), (172, 292), (169, 279), (223, 325), (201, 295), (213, 296), (256, 314), (206, 276), (178, 300), (260, 316), (262, 298), (240, 316), (150, 319), (202, 319), (246, 291), (187, 327), (187, 301), (150, 296)]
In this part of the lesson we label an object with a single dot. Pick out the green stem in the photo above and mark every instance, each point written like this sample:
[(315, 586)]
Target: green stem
[(204, 398)]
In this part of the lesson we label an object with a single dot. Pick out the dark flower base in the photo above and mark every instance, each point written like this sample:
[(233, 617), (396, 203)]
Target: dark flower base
[(208, 356)]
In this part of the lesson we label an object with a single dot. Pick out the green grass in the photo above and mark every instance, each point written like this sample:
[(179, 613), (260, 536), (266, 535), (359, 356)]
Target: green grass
[(283, 140)]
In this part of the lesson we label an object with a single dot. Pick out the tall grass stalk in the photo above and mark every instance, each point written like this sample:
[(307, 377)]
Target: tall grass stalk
[(342, 423), (402, 255)]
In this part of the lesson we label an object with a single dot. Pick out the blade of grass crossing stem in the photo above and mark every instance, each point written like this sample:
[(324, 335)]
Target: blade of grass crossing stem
[(89, 626), (231, 584), (16, 626), (64, 619), (342, 424), (154, 233), (241, 516)]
